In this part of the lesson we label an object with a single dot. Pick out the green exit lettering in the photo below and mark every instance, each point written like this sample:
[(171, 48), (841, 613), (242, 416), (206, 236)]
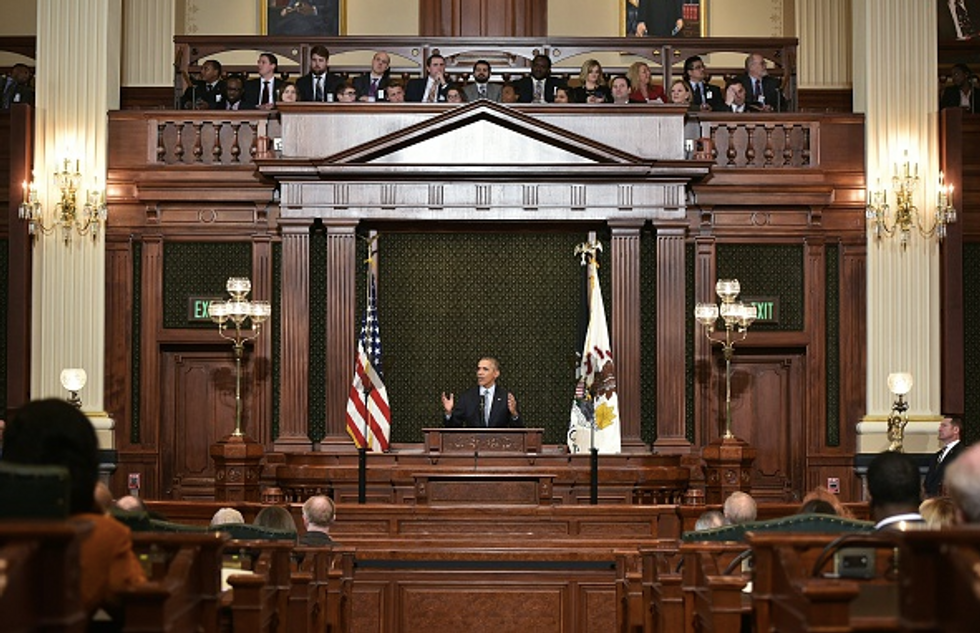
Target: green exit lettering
[(197, 308), (764, 309), (201, 309)]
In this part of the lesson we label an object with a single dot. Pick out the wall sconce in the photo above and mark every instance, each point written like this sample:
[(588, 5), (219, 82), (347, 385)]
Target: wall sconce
[(737, 318), (899, 384), (73, 380), (905, 180), (238, 310), (87, 220)]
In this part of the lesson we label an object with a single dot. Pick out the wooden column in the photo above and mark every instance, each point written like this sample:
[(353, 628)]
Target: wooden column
[(341, 303), (672, 319), (626, 327), (259, 360), (295, 340), (19, 258), (705, 427), (951, 269)]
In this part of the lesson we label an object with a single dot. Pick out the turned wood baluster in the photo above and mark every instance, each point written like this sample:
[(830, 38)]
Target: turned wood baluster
[(216, 149), (731, 152), (805, 152), (714, 143), (179, 147), (254, 147), (788, 144), (750, 146), (236, 149), (161, 148), (769, 153), (198, 149)]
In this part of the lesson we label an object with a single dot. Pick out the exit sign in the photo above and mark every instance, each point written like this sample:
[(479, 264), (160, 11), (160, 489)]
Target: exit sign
[(197, 308), (767, 307)]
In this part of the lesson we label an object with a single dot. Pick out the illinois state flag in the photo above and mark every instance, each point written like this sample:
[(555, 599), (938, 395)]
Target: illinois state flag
[(368, 413), (595, 407)]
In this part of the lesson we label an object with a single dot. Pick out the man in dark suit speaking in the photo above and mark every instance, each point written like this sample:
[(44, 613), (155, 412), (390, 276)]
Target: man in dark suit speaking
[(488, 405)]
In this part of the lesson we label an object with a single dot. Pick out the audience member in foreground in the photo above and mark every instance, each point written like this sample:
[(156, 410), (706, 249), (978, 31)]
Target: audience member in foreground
[(822, 494), (224, 516), (963, 484), (893, 483), (740, 507), (709, 519), (275, 517), (318, 514), (54, 432), (938, 512)]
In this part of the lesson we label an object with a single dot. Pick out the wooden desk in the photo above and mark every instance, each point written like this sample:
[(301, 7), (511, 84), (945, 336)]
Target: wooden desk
[(469, 441)]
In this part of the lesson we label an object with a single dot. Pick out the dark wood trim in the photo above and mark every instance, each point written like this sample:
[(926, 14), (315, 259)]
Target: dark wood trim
[(295, 347), (953, 380), (672, 319), (20, 260), (626, 325), (825, 100), (341, 328)]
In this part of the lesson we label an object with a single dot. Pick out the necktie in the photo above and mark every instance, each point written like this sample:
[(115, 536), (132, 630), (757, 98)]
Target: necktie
[(431, 96), (940, 455), (318, 90), (482, 90), (704, 98), (485, 407), (538, 91), (265, 92), (373, 90), (757, 90)]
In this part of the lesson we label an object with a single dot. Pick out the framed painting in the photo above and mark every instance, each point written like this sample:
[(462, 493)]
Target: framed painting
[(302, 18), (958, 19), (663, 18)]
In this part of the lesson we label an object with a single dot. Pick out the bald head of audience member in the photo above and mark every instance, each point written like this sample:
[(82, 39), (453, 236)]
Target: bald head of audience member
[(740, 508), (708, 520), (963, 484), (131, 503), (318, 513), (227, 515)]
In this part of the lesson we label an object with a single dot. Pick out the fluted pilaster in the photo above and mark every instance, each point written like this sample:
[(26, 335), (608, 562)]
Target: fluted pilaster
[(894, 85), (148, 48), (294, 377), (824, 30), (78, 49)]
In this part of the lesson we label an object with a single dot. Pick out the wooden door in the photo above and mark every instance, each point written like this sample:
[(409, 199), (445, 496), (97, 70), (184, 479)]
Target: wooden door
[(198, 403), (483, 18), (768, 412)]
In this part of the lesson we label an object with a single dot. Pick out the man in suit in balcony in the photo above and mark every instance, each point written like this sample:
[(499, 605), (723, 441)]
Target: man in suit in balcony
[(208, 92), (488, 405), (540, 87), (263, 92), (704, 96), (433, 87), (763, 93), (481, 88), (371, 86), (319, 82)]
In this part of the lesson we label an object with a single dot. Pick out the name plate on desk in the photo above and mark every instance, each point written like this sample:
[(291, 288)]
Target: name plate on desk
[(471, 441)]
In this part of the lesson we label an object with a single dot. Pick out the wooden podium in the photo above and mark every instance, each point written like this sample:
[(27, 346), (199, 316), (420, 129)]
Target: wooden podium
[(469, 441)]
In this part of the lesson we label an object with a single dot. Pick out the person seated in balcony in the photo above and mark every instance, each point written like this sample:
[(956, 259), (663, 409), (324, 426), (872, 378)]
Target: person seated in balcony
[(562, 96), (763, 93), (53, 432), (681, 93), (372, 85), (289, 94), (592, 85), (642, 88), (234, 91), (16, 87), (963, 93), (620, 89), (431, 88), (396, 91), (345, 93), (208, 92), (481, 88), (319, 82), (540, 86), (262, 92), (455, 94), (735, 98), (706, 96), (510, 94)]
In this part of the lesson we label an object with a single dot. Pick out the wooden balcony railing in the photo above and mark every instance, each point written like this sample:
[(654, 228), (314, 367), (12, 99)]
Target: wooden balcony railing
[(771, 141)]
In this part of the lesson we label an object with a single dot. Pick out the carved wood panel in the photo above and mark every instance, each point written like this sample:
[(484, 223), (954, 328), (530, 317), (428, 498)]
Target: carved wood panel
[(768, 411), (198, 401), (483, 18)]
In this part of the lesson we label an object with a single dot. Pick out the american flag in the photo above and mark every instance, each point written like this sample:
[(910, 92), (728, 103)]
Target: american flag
[(368, 413)]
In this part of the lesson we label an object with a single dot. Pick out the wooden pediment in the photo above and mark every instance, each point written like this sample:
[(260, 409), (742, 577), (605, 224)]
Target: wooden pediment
[(483, 133)]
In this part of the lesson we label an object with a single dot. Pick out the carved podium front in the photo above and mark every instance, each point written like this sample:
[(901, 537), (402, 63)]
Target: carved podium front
[(468, 441)]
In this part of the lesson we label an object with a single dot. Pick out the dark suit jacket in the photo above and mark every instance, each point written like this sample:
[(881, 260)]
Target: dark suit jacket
[(770, 91), (526, 89), (253, 91), (937, 470), (315, 539), (951, 99), (415, 90), (466, 413), (304, 86), (715, 97), (363, 83), (199, 90)]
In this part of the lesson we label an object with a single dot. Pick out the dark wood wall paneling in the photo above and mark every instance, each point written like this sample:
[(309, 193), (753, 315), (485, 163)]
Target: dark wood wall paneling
[(483, 18)]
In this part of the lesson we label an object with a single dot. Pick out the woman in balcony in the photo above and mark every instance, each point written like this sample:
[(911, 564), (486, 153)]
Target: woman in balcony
[(643, 90), (681, 93), (592, 85)]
